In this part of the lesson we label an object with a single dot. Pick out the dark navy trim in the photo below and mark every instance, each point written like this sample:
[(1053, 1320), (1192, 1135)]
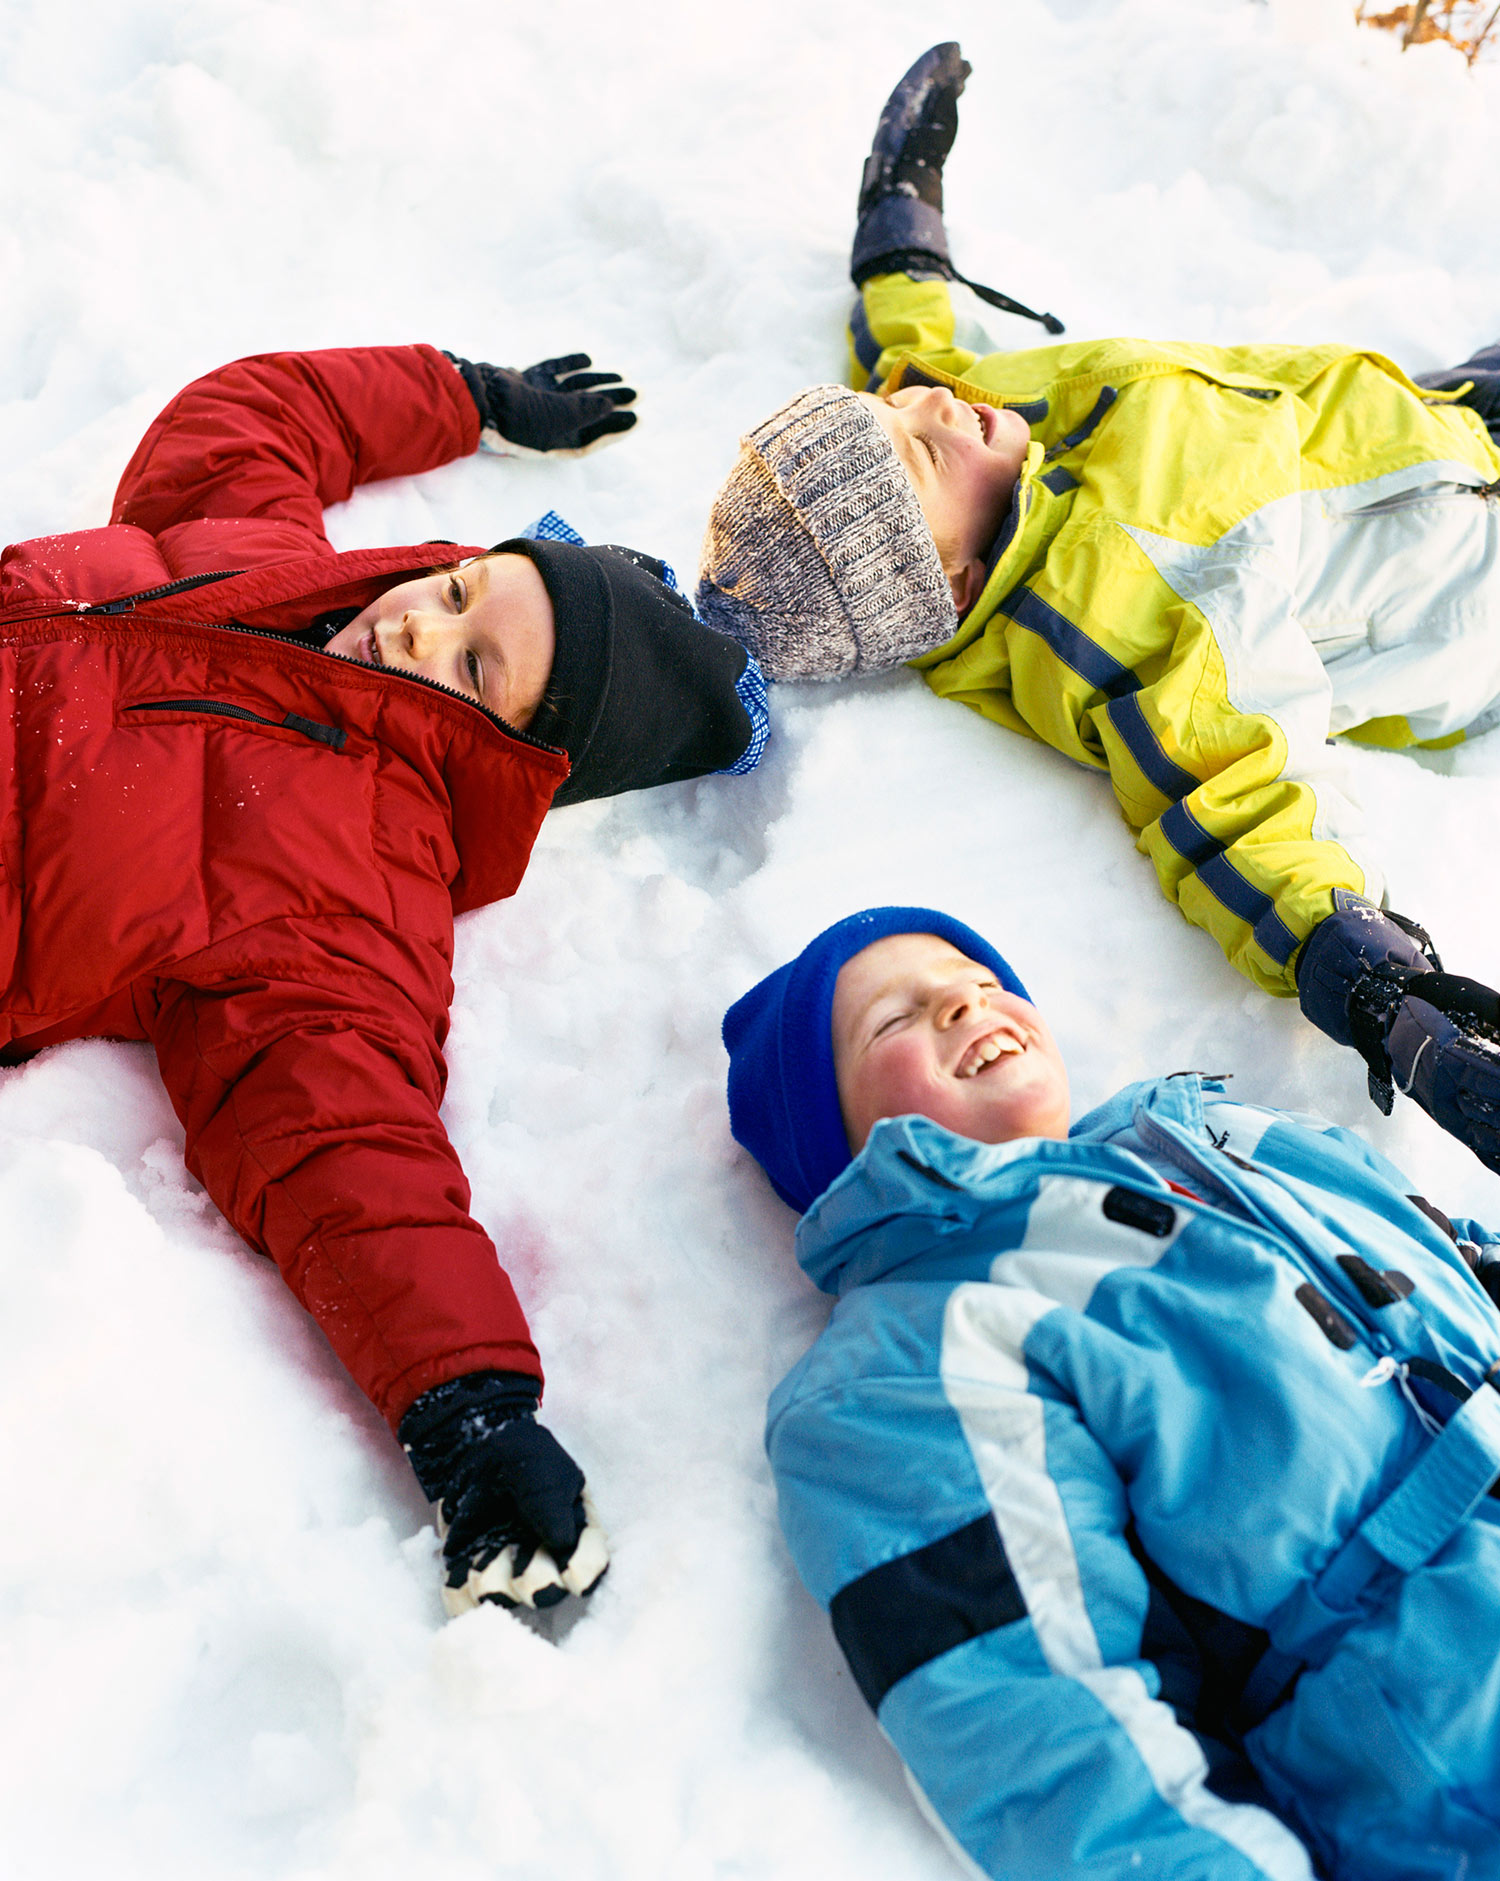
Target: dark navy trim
[(1059, 481), (866, 348), (1033, 411), (1005, 535), (907, 1612), (1102, 403), (1181, 829), (1072, 646), (1188, 836), (1225, 883), (1143, 745)]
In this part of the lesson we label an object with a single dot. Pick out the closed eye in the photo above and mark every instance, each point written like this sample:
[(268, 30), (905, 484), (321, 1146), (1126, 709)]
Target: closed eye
[(885, 1025), (928, 445)]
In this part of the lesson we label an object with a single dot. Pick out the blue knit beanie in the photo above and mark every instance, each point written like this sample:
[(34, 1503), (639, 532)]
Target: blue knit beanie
[(783, 1097)]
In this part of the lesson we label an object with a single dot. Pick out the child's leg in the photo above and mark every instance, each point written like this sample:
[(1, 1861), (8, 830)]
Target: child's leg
[(1388, 1756)]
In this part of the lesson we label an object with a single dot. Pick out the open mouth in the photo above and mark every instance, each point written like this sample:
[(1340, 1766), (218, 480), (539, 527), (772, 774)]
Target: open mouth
[(987, 1051)]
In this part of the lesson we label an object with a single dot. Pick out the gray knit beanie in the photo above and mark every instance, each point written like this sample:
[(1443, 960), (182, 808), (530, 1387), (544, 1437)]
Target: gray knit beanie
[(817, 555)]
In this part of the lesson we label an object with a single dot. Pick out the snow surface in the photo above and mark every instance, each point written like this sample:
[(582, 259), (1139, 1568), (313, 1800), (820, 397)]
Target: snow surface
[(222, 1653)]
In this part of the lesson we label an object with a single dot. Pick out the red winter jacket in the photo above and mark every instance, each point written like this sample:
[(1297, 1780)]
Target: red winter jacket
[(251, 853)]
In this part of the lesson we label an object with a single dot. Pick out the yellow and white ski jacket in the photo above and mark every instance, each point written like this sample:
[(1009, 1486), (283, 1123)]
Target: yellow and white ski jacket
[(1218, 558)]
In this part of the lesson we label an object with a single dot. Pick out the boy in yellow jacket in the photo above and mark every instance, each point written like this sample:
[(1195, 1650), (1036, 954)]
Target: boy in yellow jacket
[(1189, 566)]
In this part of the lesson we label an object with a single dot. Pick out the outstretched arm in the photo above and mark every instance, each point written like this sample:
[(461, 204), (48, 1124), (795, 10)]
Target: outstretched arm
[(900, 242), (310, 1101), (282, 435)]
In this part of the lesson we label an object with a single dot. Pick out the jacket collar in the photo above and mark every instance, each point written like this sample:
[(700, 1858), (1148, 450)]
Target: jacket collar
[(916, 1187)]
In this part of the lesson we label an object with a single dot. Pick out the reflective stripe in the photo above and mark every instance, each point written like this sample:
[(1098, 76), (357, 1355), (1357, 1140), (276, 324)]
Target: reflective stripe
[(1188, 836), (1143, 745), (867, 348), (1181, 829), (1225, 883), (1072, 646), (1220, 877)]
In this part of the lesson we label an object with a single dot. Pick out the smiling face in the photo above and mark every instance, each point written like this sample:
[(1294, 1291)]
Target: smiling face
[(485, 630), (919, 1028), (962, 462)]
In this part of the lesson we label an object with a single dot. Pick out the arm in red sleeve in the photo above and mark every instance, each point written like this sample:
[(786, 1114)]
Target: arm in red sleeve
[(283, 435), (309, 1090)]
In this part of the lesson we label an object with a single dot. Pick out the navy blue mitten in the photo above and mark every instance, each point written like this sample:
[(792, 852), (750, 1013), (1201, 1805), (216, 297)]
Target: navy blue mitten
[(900, 228), (1373, 980), (515, 1519), (557, 407)]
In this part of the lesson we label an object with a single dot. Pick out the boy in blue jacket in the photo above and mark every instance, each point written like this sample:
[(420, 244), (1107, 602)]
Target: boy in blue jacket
[(1144, 1467)]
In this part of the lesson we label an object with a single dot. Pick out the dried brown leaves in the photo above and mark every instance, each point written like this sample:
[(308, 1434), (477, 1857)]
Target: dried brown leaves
[(1468, 25)]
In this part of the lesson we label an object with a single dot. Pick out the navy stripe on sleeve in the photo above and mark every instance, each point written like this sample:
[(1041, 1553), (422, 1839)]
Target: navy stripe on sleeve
[(1141, 742), (1225, 883), (866, 347), (1072, 646), (1188, 836), (1180, 827), (907, 1612)]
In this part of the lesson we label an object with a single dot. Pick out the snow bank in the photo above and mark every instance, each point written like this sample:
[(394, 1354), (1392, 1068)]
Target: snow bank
[(220, 1640)]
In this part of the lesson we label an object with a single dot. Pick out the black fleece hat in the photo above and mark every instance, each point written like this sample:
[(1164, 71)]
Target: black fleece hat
[(641, 692)]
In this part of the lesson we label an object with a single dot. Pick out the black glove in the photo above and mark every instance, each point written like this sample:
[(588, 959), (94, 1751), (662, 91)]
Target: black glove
[(1373, 981), (900, 227), (556, 406), (515, 1521)]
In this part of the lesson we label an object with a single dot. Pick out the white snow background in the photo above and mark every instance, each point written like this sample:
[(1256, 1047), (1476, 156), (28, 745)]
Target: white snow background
[(222, 1653)]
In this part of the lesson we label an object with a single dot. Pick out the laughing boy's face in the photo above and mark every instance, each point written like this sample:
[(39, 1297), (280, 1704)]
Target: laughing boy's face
[(963, 462), (919, 1028)]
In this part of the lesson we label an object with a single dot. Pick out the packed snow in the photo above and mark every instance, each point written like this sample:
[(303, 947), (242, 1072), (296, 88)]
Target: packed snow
[(222, 1652)]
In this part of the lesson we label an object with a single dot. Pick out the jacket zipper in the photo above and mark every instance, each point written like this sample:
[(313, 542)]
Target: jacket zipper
[(1309, 1262), (331, 735), (126, 604)]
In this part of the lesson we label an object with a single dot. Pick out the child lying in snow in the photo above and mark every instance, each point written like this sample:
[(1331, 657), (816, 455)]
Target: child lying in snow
[(1186, 565), (217, 838), (1142, 1466)]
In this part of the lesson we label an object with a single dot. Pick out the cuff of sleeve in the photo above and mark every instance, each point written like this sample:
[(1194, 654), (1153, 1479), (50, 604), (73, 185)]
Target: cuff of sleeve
[(894, 224)]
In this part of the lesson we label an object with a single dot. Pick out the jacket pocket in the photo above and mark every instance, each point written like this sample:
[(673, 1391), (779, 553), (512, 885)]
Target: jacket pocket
[(187, 709)]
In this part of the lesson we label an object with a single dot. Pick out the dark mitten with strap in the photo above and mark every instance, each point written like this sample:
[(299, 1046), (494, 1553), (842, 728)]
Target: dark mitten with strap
[(556, 408), (515, 1520), (1373, 981), (900, 229)]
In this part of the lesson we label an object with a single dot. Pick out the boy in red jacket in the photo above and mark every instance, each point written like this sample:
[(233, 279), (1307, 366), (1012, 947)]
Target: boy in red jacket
[(218, 838)]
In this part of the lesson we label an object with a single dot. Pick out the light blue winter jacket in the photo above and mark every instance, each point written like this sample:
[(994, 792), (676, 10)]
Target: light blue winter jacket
[(1059, 1405)]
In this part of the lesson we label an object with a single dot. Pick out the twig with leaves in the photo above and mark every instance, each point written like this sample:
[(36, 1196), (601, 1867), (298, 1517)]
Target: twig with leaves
[(1455, 22)]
